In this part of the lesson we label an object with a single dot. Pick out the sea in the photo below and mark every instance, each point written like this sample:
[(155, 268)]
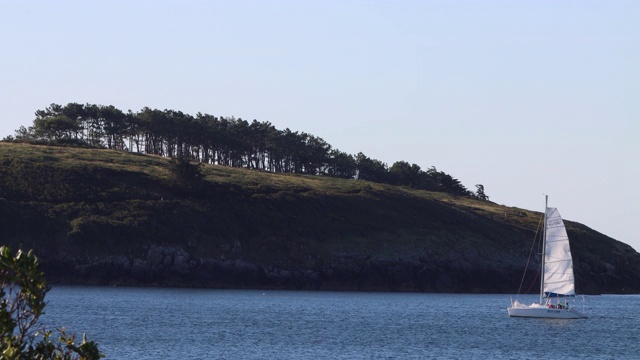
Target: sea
[(176, 323)]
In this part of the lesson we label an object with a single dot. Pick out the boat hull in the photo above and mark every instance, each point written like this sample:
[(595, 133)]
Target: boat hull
[(546, 313)]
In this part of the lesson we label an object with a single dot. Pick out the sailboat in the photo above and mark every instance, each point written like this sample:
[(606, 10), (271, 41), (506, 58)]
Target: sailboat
[(557, 281)]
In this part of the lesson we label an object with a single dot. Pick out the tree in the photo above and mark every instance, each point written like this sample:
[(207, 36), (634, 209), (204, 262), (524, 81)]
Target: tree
[(401, 173), (480, 192), (370, 169), (24, 133), (55, 127), (223, 141), (114, 126), (187, 175), (22, 292), (341, 165), (314, 155)]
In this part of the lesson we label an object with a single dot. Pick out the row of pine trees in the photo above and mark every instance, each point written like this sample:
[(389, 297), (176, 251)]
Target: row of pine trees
[(223, 141)]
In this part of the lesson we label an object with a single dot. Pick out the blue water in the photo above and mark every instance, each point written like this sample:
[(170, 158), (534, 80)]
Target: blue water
[(144, 323)]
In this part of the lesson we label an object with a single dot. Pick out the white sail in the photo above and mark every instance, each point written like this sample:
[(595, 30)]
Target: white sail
[(558, 265), (557, 275)]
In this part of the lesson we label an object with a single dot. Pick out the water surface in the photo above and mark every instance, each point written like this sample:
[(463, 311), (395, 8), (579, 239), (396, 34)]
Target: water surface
[(148, 323)]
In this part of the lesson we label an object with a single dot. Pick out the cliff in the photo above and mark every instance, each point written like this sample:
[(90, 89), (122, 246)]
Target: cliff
[(97, 216)]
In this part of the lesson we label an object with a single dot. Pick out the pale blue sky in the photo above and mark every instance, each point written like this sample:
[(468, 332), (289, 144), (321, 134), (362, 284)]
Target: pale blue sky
[(525, 97)]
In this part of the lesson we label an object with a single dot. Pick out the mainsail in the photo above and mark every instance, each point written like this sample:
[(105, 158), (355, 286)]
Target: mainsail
[(558, 265), (557, 274)]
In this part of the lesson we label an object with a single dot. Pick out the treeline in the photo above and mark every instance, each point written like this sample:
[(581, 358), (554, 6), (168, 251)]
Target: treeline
[(223, 141)]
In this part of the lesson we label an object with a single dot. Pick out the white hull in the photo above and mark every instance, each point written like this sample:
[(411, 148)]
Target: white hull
[(538, 311), (556, 274)]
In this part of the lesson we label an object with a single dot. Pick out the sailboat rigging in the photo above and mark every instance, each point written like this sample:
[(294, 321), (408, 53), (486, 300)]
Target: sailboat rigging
[(557, 278)]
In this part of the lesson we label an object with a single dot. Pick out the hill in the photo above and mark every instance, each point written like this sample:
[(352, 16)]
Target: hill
[(98, 216)]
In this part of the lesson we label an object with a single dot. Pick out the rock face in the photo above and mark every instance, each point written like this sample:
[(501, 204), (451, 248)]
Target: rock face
[(175, 266), (171, 266)]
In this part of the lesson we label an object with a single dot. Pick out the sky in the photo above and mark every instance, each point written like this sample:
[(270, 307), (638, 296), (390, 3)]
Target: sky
[(525, 97)]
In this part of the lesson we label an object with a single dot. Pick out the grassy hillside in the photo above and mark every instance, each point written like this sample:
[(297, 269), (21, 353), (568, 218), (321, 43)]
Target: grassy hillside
[(110, 217)]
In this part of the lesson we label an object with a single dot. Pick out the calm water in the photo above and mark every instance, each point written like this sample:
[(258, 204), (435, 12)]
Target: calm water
[(142, 323)]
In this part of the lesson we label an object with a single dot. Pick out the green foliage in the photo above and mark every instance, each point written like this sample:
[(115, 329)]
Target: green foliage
[(480, 192), (404, 174), (55, 127), (187, 174), (223, 141), (22, 293), (371, 169), (342, 165)]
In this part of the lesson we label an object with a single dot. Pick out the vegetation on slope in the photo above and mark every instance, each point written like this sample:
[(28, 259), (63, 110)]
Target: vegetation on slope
[(113, 217), (223, 141)]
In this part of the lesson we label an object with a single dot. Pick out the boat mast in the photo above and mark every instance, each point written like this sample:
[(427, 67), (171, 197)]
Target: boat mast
[(544, 244)]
